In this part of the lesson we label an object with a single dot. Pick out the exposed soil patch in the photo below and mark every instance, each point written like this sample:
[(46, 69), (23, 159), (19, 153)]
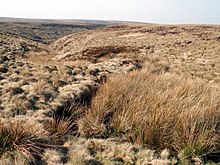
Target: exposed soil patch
[(95, 53)]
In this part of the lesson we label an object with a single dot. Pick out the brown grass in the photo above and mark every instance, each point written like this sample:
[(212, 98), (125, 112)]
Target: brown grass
[(47, 59), (157, 111), (20, 143), (63, 122), (191, 50)]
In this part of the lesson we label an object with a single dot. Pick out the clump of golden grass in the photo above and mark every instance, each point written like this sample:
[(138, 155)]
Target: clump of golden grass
[(157, 111), (63, 121), (20, 143)]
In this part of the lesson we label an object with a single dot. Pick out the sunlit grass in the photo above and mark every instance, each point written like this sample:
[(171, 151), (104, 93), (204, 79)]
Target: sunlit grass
[(157, 111)]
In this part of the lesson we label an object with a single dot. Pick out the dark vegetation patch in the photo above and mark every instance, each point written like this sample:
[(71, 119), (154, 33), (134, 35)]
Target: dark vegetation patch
[(43, 32), (106, 51)]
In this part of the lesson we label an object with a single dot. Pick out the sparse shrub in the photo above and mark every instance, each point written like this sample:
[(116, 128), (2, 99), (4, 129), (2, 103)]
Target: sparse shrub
[(20, 143), (157, 111)]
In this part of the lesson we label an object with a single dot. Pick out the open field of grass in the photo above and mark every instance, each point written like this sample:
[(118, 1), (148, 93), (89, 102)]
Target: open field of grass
[(117, 95)]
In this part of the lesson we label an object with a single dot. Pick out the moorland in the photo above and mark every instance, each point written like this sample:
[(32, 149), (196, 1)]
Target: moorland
[(112, 93)]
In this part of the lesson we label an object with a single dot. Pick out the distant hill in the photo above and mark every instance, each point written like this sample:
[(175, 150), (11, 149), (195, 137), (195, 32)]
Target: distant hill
[(47, 30), (66, 21)]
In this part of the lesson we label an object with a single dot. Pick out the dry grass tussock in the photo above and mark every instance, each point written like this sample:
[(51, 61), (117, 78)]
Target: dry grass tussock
[(21, 143), (158, 111), (63, 122)]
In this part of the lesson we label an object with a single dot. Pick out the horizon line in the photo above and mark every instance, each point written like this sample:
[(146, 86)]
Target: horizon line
[(102, 20)]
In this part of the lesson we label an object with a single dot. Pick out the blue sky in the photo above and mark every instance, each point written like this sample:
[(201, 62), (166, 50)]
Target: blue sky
[(153, 11)]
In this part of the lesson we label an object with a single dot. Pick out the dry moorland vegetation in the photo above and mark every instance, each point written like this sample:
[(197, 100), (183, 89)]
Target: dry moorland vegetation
[(157, 111), (127, 94), (192, 50), (43, 31)]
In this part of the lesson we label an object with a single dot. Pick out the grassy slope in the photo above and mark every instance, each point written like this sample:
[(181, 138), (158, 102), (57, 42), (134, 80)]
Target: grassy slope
[(157, 111), (192, 50), (156, 108)]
